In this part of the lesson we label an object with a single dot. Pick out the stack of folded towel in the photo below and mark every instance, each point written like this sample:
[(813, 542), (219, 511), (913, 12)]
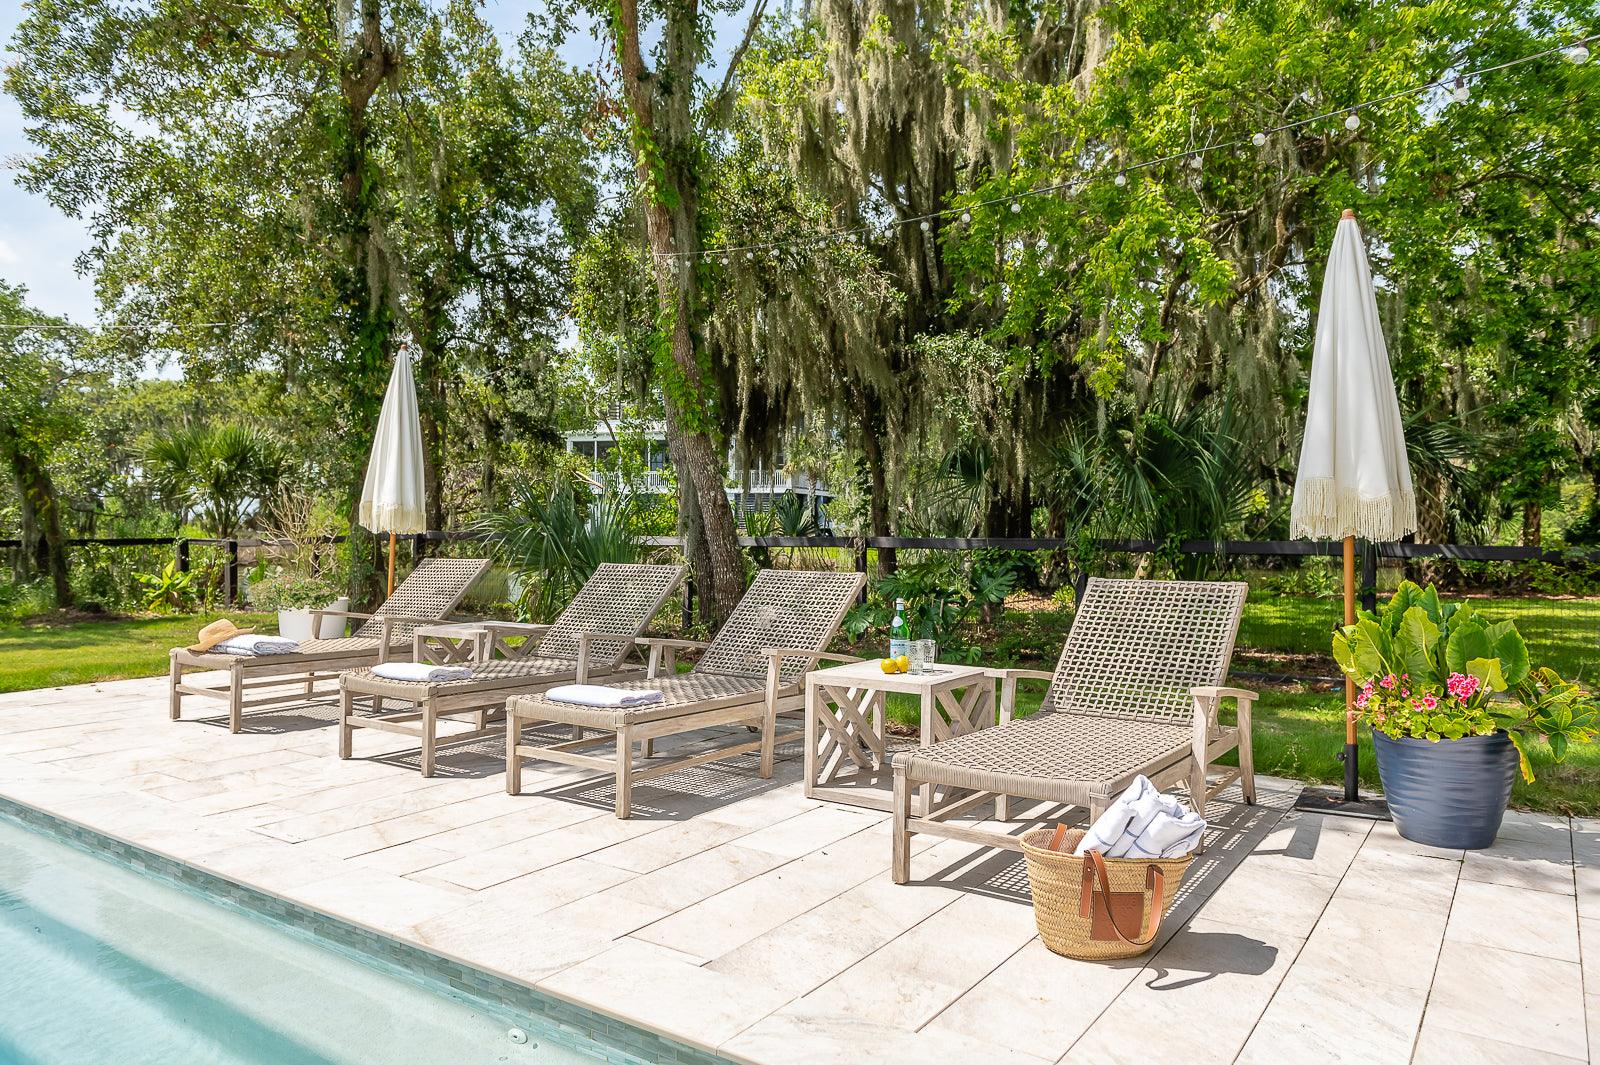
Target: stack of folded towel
[(1143, 823), (602, 695), (256, 645), (420, 672)]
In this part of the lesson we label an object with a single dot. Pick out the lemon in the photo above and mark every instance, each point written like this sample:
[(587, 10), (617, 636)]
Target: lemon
[(903, 664), (888, 665)]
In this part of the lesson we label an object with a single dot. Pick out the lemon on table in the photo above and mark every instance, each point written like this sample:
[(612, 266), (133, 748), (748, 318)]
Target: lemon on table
[(903, 663), (888, 665)]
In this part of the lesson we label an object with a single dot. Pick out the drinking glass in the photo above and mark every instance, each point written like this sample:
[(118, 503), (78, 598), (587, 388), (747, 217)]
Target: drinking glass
[(923, 654)]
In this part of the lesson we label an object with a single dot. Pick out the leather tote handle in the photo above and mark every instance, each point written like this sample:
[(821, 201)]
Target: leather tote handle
[(1155, 881)]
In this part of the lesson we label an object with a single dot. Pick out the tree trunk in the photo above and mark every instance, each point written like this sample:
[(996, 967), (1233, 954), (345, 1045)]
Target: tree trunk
[(878, 492), (41, 518), (1532, 524)]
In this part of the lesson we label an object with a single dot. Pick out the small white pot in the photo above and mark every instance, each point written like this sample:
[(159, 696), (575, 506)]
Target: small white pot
[(296, 624)]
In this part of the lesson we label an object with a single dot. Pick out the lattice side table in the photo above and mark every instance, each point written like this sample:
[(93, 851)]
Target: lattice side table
[(449, 643), (847, 754)]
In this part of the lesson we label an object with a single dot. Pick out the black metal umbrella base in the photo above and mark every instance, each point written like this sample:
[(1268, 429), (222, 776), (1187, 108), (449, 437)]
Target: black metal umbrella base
[(1321, 800)]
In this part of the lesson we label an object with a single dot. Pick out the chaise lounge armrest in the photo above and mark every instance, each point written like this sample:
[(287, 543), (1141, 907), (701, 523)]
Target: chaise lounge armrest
[(1213, 692), (1208, 705), (1008, 676), (664, 652), (777, 655)]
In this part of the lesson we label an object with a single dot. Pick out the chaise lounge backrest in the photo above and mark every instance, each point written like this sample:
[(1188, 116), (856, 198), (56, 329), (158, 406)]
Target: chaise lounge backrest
[(781, 608), (430, 591), (1137, 647), (618, 600)]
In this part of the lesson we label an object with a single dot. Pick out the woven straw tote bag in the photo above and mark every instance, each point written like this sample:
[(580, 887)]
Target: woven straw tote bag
[(1096, 908)]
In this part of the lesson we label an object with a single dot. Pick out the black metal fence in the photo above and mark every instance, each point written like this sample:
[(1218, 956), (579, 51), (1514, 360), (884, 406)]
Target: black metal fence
[(1295, 599)]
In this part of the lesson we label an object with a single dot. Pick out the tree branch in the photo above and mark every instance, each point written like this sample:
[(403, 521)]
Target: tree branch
[(724, 98)]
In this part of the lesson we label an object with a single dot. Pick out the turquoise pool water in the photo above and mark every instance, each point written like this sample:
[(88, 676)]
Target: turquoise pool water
[(99, 963)]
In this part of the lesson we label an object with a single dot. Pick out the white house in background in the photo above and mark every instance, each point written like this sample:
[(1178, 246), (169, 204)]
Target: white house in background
[(598, 441)]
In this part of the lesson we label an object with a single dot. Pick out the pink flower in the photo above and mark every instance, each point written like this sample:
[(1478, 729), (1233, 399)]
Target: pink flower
[(1361, 700), (1388, 681), (1430, 701), (1462, 685)]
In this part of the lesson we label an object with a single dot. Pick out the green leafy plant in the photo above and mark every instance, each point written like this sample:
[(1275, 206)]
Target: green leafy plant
[(1430, 669), (170, 589), (282, 588)]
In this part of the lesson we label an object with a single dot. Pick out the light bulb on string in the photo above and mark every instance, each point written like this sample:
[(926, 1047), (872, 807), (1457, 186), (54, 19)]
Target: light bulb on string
[(1461, 94), (1196, 161), (924, 225), (1016, 207), (966, 216), (1577, 52), (1120, 180), (1259, 140), (1353, 122)]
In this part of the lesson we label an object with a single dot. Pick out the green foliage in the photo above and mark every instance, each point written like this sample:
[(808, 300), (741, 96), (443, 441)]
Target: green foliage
[(216, 474), (944, 593), (1432, 669), (556, 539), (169, 591), (284, 588)]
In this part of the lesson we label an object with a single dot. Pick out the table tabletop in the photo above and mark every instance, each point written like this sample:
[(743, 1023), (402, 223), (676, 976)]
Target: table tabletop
[(869, 674)]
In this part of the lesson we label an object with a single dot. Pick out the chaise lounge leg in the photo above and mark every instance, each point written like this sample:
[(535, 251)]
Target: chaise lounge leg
[(1247, 756), (624, 773), (347, 701), (430, 725), (900, 863), (236, 697), (174, 696), (513, 759)]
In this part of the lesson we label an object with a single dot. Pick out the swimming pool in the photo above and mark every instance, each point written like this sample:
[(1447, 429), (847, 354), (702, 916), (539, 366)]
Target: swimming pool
[(99, 963)]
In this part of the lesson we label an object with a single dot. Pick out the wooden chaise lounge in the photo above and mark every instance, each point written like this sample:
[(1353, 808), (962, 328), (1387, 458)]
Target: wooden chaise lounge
[(426, 596), (1136, 691), (749, 674), (589, 641)]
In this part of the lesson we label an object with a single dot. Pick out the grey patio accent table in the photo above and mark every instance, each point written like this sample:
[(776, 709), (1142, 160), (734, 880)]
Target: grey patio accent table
[(846, 744)]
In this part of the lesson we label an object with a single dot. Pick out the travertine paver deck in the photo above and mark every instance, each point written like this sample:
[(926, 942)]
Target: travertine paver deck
[(735, 914)]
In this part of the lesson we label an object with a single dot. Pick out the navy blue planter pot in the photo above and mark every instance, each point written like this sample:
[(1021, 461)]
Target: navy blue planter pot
[(1449, 794)]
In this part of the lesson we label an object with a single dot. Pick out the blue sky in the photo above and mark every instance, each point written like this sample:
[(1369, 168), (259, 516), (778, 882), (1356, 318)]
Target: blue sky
[(38, 244)]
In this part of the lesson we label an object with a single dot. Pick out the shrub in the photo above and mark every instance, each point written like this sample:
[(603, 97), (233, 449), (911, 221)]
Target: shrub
[(286, 589)]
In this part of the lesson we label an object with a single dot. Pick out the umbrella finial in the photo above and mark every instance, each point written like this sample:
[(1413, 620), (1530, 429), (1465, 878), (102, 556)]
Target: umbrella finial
[(1348, 213)]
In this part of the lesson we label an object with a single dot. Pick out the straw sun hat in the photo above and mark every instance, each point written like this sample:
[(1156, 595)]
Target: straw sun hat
[(216, 632)]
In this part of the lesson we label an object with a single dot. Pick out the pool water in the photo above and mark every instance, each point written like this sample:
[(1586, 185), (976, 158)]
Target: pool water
[(99, 963)]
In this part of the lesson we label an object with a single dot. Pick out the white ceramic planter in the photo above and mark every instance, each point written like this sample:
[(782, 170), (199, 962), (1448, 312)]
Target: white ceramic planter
[(296, 624)]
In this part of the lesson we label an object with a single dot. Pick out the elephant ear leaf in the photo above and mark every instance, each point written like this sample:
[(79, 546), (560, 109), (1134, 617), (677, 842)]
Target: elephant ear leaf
[(1429, 602), (1506, 644), (1488, 671), (1343, 654), (1415, 645), (1371, 649), (1467, 641)]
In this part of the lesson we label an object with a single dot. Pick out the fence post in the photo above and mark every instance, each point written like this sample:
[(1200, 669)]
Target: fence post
[(230, 573), (1369, 576), (181, 556)]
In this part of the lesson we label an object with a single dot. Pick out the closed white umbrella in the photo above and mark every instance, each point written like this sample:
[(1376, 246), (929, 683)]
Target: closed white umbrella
[(1354, 477), (392, 499)]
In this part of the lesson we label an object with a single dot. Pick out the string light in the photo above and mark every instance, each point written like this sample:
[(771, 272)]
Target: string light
[(1576, 52)]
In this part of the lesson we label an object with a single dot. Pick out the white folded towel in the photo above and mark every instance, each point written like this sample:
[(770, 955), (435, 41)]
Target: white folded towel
[(256, 645), (1143, 823), (420, 672), (602, 695)]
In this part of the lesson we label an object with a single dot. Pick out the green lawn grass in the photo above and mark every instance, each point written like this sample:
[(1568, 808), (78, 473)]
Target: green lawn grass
[(47, 654)]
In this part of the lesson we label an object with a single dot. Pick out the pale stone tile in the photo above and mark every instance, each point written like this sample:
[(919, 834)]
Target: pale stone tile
[(1531, 827), (379, 900), (1196, 1002), (394, 831), (1037, 1002), (532, 946), (1385, 837), (1437, 1045), (800, 1034), (1586, 853), (1509, 996), (700, 876), (1543, 864), (1397, 947), (672, 844), (270, 864), (810, 831), (310, 826), (1311, 843), (1270, 900), (1310, 1017), (499, 864), (1417, 882), (802, 954), (664, 991), (913, 977), (1512, 918), (715, 926)]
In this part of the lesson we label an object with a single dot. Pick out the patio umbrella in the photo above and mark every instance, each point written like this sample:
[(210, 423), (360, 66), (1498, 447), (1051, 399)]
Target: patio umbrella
[(1354, 478), (392, 499)]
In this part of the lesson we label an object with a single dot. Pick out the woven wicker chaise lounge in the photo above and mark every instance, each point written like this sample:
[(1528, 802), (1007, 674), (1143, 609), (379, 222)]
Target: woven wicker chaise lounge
[(1137, 690), (589, 641), (428, 593), (749, 674)]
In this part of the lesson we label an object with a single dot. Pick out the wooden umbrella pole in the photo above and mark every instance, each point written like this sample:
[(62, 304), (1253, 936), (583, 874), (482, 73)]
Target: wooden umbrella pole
[(1351, 792), (1346, 583)]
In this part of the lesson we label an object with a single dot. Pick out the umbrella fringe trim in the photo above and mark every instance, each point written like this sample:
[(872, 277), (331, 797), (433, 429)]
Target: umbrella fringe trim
[(1322, 508), (400, 518)]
